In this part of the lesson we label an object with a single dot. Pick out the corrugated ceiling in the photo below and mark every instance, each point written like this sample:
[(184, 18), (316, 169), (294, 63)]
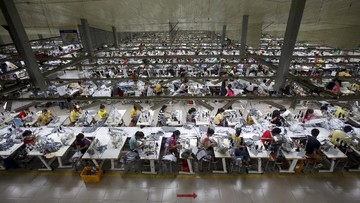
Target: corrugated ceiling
[(332, 22)]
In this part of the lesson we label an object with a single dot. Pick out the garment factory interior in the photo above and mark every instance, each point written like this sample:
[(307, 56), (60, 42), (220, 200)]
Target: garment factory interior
[(179, 101)]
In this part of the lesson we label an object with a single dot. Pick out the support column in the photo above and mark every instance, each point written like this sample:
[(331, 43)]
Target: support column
[(87, 37), (254, 35), (21, 41), (212, 36), (170, 34), (116, 41), (292, 29), (40, 36), (244, 34), (82, 37), (223, 36)]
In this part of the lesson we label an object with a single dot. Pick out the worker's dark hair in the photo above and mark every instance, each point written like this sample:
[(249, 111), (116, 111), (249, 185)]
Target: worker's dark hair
[(139, 134), (276, 113), (44, 110), (102, 106), (220, 110), (26, 133), (324, 108), (347, 129), (315, 132), (192, 110), (276, 131), (163, 107), (135, 107), (210, 131), (176, 133), (238, 131), (80, 136), (308, 112), (229, 86)]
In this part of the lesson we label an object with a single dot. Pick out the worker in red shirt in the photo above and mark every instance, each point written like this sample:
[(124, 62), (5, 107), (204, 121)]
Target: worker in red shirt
[(24, 114), (267, 137), (173, 145)]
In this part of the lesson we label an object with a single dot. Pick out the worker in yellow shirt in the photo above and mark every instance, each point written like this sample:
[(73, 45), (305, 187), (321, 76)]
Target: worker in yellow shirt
[(102, 113), (158, 88), (44, 118), (344, 73), (239, 147), (355, 87), (134, 115), (219, 119), (337, 136), (74, 115), (340, 113)]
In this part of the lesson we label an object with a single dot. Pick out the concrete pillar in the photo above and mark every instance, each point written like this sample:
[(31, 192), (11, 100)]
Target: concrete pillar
[(87, 37), (292, 29), (223, 36), (254, 35), (244, 34), (40, 36), (212, 36), (21, 41), (116, 41), (82, 37)]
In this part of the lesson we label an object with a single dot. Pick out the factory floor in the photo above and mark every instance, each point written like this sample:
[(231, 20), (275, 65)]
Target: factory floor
[(66, 186)]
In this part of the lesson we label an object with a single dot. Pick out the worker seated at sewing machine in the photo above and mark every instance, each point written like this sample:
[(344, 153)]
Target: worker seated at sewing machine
[(191, 115), (346, 141), (87, 118), (82, 143), (135, 142), (103, 113), (269, 139), (207, 143), (173, 145), (44, 118), (74, 115), (237, 143), (220, 118)]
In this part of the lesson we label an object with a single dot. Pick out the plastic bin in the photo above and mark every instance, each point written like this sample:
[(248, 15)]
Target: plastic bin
[(94, 178)]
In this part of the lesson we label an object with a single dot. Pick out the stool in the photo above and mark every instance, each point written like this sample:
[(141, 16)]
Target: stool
[(133, 166), (209, 162), (236, 162), (310, 162), (132, 162), (167, 166), (274, 159), (345, 163)]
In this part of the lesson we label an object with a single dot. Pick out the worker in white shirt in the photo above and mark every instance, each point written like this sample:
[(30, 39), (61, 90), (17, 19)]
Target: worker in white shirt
[(249, 88), (63, 92), (263, 89)]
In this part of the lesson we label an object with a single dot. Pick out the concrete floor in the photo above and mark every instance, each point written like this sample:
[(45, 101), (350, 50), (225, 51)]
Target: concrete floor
[(67, 187)]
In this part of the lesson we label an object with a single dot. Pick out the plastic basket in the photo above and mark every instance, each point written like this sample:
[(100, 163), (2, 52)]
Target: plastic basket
[(95, 178)]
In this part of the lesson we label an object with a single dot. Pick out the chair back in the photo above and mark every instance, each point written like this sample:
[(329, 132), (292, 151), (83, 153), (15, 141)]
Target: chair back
[(17, 122)]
